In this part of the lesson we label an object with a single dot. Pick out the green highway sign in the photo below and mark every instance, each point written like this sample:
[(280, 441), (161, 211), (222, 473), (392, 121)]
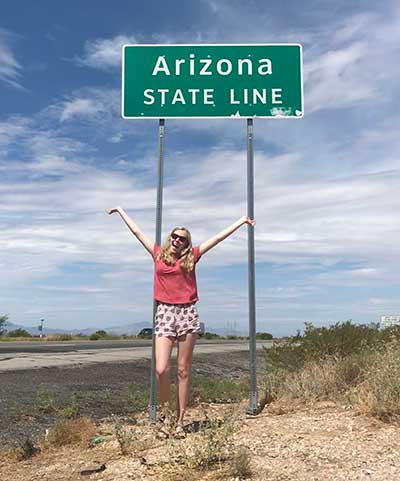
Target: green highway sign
[(212, 81)]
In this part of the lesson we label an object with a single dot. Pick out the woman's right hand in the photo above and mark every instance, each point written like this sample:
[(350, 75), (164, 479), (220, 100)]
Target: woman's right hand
[(114, 209)]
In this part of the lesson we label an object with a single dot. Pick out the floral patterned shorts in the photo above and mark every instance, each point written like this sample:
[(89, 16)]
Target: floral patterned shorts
[(174, 320)]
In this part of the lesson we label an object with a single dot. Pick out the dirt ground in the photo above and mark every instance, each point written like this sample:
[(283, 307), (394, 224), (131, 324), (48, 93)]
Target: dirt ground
[(324, 442), (97, 390)]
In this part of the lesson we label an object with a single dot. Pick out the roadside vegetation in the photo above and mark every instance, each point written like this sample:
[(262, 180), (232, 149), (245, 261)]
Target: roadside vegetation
[(358, 365)]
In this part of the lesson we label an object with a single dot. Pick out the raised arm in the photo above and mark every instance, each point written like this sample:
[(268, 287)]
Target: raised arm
[(210, 243), (134, 228)]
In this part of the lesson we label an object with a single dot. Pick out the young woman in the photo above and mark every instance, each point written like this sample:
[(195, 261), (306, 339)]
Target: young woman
[(175, 291)]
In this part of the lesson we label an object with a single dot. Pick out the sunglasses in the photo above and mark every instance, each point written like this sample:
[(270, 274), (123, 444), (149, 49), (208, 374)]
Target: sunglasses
[(180, 238)]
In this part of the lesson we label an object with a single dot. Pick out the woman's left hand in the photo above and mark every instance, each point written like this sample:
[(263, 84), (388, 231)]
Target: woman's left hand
[(249, 221)]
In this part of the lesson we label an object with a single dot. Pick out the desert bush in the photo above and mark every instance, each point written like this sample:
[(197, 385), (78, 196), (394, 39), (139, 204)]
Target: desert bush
[(122, 435), (211, 335), (213, 449), (369, 380), (72, 431), (390, 334), (240, 463), (339, 340), (379, 392), (213, 444), (98, 335), (18, 333), (264, 336), (327, 379)]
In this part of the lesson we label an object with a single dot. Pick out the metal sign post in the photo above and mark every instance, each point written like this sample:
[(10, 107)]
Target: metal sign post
[(160, 176), (253, 406)]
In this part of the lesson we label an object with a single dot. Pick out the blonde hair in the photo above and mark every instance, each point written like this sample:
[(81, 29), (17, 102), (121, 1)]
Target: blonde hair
[(186, 257)]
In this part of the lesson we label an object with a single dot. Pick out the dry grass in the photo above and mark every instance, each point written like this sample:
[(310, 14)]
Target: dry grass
[(379, 393), (72, 432), (329, 379), (369, 381)]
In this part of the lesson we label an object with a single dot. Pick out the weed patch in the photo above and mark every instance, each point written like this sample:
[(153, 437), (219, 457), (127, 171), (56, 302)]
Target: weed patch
[(45, 400), (206, 389), (72, 432)]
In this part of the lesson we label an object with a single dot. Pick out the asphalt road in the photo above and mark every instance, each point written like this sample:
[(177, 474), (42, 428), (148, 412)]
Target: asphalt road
[(68, 346), (44, 354), (74, 346)]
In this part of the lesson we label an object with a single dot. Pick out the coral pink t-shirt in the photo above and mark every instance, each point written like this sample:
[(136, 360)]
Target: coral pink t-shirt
[(173, 284)]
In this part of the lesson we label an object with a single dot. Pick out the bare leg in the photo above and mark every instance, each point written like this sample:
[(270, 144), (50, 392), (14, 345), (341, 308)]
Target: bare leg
[(185, 354), (163, 353)]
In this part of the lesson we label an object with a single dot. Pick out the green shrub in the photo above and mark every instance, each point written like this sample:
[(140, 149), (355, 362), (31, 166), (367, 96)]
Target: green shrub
[(211, 335), (264, 336), (318, 343), (18, 333), (98, 335)]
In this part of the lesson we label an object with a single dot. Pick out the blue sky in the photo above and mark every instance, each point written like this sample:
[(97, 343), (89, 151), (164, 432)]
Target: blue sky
[(326, 185)]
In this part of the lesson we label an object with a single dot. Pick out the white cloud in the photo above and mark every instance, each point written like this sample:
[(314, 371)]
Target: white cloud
[(79, 108), (105, 53), (10, 67), (95, 105), (13, 128), (351, 68), (337, 78), (386, 303)]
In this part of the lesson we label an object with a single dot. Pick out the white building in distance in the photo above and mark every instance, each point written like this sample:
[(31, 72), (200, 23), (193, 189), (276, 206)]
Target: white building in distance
[(387, 321)]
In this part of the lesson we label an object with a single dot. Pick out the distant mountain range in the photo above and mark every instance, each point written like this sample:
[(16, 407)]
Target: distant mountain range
[(128, 329)]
